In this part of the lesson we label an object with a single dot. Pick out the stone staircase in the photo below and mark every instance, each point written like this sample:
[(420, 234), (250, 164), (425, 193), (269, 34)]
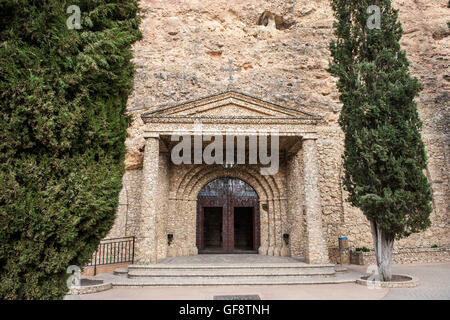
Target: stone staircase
[(226, 274)]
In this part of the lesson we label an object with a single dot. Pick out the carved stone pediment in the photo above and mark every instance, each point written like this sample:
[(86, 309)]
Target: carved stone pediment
[(229, 106)]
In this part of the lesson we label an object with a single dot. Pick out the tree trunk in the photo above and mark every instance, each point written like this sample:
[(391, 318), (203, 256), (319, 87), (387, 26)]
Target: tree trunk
[(383, 243)]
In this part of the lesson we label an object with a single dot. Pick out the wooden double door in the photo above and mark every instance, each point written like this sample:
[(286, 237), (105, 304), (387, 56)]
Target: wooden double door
[(228, 217)]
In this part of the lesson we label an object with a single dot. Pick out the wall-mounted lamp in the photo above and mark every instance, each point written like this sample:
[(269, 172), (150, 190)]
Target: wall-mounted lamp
[(169, 239), (265, 207), (286, 238)]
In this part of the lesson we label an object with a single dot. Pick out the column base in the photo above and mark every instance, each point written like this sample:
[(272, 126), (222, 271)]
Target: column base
[(317, 259), (262, 251), (144, 252), (194, 251), (285, 252), (277, 251)]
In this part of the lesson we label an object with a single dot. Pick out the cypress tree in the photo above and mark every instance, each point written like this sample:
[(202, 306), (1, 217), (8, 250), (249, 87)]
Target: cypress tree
[(63, 95), (384, 157)]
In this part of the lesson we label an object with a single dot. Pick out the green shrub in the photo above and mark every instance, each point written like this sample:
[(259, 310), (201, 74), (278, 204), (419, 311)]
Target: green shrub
[(63, 127), (363, 249)]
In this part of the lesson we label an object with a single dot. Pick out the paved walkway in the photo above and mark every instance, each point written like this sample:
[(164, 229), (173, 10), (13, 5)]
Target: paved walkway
[(434, 285), (347, 291), (434, 282)]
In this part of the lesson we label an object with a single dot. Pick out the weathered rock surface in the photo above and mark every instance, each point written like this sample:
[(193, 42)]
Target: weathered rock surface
[(283, 59)]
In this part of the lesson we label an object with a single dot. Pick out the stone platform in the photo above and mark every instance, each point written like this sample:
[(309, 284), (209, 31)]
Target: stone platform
[(226, 270), (229, 259)]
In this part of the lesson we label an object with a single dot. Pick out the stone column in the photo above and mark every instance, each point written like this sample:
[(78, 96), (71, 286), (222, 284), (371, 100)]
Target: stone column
[(277, 227), (163, 205), (285, 252), (271, 227), (147, 245), (294, 186), (316, 250), (264, 230), (191, 228)]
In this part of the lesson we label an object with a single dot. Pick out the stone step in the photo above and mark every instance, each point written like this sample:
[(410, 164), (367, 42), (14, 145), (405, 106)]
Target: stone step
[(174, 275), (340, 269), (228, 276), (121, 272), (284, 266), (233, 281), (230, 273), (197, 272), (221, 275)]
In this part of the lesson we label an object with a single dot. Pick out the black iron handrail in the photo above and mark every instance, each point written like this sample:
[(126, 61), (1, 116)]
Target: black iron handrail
[(113, 251)]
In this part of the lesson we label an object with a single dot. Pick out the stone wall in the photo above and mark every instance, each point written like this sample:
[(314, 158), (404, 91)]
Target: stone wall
[(399, 256), (129, 210), (89, 270), (186, 43)]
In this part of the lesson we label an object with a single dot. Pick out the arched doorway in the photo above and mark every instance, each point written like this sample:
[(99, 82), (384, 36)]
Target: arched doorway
[(228, 217)]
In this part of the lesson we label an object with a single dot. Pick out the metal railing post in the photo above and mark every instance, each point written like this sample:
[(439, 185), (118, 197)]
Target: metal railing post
[(114, 251), (95, 263)]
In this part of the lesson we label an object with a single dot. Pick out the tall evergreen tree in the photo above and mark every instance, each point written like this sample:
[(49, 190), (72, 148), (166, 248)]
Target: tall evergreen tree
[(384, 157), (63, 95)]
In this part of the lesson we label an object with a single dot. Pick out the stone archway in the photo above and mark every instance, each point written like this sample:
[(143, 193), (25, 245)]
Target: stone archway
[(228, 217), (192, 181)]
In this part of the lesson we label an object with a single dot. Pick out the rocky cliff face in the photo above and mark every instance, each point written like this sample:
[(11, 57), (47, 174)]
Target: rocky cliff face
[(281, 48)]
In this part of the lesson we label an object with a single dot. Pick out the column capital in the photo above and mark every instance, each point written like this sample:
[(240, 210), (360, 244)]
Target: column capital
[(149, 135), (310, 136)]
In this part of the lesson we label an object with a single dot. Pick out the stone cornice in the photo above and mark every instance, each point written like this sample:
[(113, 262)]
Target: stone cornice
[(187, 112), (230, 119)]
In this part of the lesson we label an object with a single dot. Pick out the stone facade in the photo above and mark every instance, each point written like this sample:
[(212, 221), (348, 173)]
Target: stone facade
[(399, 256), (168, 200), (184, 47)]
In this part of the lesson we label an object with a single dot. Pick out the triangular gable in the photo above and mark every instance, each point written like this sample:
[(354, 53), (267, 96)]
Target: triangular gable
[(230, 104)]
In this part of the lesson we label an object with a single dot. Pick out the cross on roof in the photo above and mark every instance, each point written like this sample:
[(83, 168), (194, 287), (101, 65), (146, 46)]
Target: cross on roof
[(230, 70)]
